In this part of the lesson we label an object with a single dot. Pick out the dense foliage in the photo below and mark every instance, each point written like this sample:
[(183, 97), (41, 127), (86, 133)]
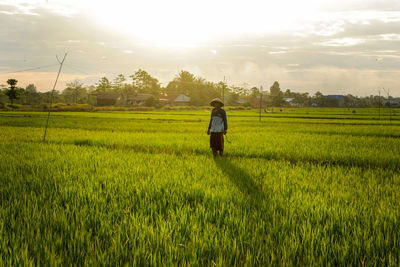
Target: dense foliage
[(198, 89)]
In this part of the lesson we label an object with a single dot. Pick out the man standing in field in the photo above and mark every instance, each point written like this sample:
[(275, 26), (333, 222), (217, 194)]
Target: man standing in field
[(217, 127)]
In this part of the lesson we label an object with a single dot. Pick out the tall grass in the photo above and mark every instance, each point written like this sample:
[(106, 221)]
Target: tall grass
[(115, 189)]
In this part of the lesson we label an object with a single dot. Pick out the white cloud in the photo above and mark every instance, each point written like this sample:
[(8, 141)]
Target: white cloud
[(342, 42), (277, 52), (328, 28), (29, 7), (390, 37), (19, 10)]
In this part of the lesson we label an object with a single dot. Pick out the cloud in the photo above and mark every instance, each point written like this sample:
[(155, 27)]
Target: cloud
[(333, 52), (277, 52), (12, 9), (343, 42), (390, 37)]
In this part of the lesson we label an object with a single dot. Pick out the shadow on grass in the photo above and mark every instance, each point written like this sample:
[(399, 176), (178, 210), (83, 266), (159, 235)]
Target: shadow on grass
[(242, 180), (324, 161)]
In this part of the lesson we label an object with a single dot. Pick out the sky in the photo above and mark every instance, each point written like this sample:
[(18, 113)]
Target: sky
[(331, 46)]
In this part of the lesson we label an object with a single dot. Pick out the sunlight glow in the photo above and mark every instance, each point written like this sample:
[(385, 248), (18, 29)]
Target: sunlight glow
[(190, 23)]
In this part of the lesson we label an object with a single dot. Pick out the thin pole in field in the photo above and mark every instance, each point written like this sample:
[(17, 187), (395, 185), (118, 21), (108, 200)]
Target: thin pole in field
[(260, 101), (223, 92), (52, 95), (379, 104)]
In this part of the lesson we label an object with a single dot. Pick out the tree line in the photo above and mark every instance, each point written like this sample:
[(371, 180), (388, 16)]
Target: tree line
[(197, 88)]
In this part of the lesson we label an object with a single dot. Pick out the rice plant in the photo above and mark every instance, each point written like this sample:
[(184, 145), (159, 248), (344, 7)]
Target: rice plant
[(144, 189)]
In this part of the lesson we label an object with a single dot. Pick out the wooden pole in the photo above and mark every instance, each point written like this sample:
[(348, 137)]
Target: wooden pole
[(52, 94), (260, 102), (223, 92)]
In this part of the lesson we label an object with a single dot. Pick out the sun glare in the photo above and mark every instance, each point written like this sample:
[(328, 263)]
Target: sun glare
[(190, 23)]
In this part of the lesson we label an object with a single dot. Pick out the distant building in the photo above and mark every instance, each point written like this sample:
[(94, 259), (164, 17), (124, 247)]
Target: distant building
[(139, 99), (291, 102), (339, 98), (394, 102), (180, 100), (288, 99), (107, 98)]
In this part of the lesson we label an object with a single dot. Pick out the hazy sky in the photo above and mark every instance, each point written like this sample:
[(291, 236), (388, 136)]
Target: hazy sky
[(334, 46)]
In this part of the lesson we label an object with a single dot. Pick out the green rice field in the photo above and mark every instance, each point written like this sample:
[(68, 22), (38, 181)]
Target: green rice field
[(308, 186)]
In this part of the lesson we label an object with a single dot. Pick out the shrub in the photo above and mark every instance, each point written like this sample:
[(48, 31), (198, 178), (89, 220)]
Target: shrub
[(13, 106)]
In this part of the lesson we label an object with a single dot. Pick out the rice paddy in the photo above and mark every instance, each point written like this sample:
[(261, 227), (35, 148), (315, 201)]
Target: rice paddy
[(301, 187)]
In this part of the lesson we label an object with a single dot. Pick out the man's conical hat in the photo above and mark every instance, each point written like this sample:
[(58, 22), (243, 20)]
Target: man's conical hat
[(216, 100)]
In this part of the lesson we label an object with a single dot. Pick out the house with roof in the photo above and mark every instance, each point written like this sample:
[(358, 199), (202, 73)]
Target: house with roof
[(291, 101), (139, 99), (179, 100), (288, 99), (338, 98), (393, 102), (107, 98)]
